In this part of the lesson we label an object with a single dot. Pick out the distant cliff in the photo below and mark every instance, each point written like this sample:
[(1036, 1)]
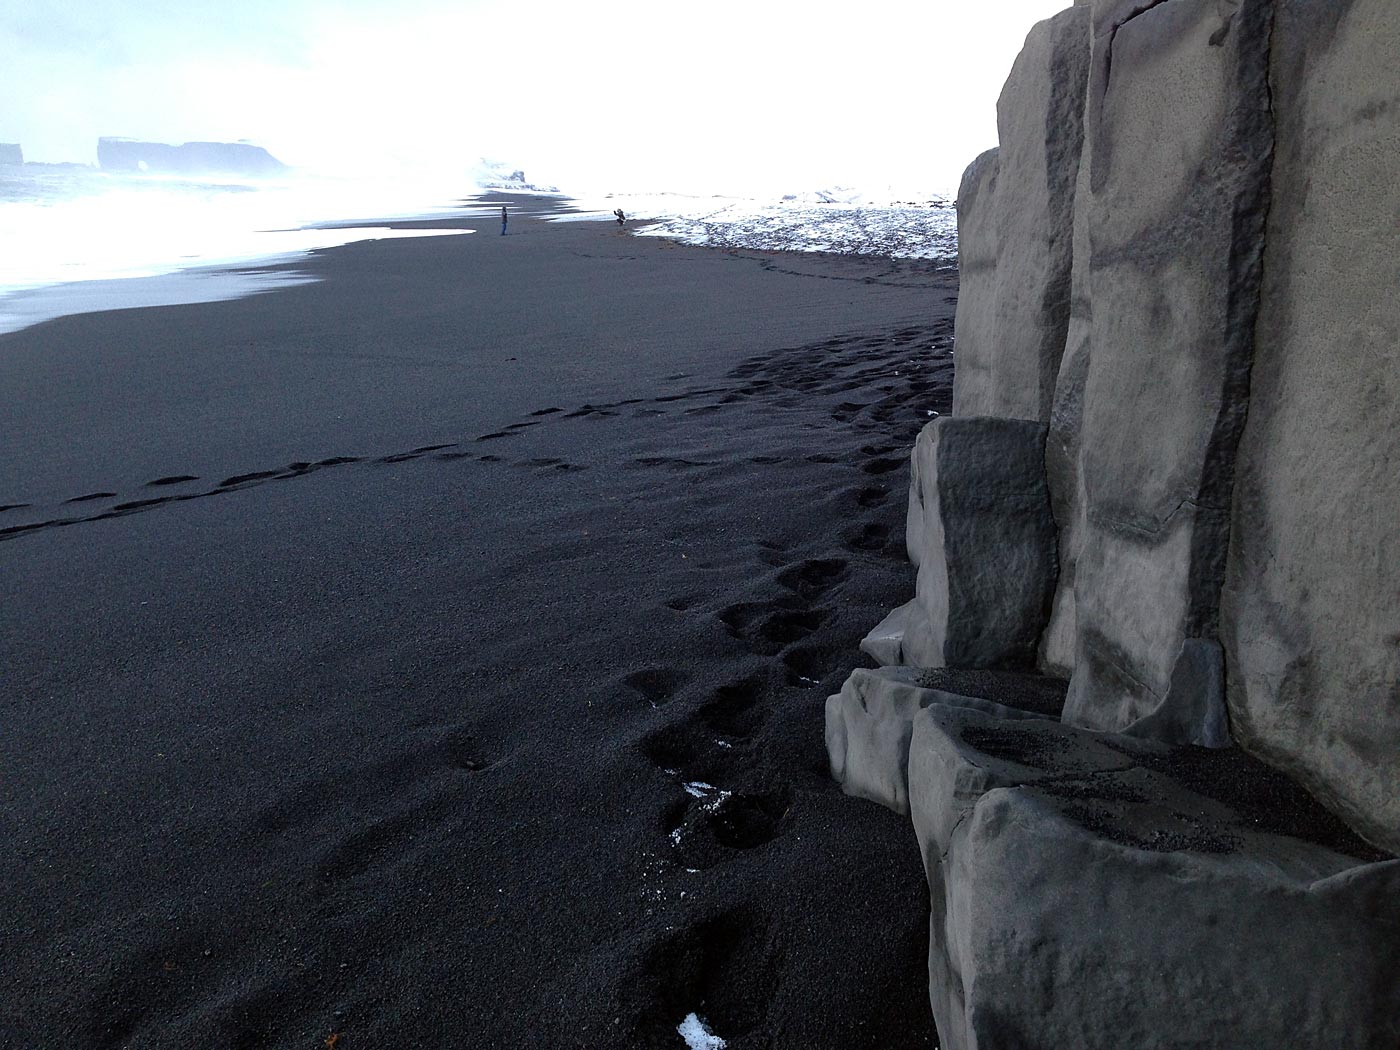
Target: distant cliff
[(190, 158), (10, 153)]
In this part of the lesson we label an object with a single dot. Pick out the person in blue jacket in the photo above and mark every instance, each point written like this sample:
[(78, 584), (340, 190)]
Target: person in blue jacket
[(503, 220)]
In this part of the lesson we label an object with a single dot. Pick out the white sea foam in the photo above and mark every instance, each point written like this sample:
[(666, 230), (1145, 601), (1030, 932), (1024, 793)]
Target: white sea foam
[(81, 224), (30, 306), (843, 221), (73, 238)]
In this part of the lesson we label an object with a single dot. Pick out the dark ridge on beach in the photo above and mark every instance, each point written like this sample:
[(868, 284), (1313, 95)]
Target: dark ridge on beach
[(435, 655)]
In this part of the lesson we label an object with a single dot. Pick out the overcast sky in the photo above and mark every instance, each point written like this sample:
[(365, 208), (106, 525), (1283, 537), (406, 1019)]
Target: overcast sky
[(724, 96)]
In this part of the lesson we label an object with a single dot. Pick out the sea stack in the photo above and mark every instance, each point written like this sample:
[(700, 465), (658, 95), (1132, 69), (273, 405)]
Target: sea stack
[(10, 153), (1178, 281)]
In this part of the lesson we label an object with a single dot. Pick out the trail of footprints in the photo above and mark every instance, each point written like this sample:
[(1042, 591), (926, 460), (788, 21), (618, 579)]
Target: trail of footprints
[(904, 367), (705, 747), (705, 744), (725, 806)]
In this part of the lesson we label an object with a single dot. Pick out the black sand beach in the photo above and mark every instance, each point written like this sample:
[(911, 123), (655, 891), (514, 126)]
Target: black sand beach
[(359, 641)]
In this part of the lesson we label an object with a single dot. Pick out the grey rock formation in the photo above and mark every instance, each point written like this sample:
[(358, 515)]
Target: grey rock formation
[(1180, 139), (1092, 892), (1311, 616), (868, 723), (974, 327), (190, 158), (1058, 647), (1193, 711), (1218, 482), (986, 553), (10, 153), (1019, 218)]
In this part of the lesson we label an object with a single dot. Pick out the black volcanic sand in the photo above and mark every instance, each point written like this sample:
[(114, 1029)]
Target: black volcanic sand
[(359, 641)]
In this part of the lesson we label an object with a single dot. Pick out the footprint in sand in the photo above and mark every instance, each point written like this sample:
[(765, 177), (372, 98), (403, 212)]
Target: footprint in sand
[(721, 967), (240, 479), (871, 497), (713, 824), (813, 577), (656, 685), (142, 504), (871, 536), (735, 711), (382, 842), (883, 466), (768, 626), (746, 822), (674, 749), (807, 666), (683, 602)]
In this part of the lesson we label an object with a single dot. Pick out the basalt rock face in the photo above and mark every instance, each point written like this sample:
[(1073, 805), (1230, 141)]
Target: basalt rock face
[(1090, 891), (1212, 236), (1181, 141), (870, 722), (1187, 287), (10, 153), (190, 158), (1312, 598), (974, 328), (981, 532), (1017, 206)]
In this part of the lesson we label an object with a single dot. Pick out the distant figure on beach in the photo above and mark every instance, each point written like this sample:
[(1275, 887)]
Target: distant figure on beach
[(503, 220), (620, 217)]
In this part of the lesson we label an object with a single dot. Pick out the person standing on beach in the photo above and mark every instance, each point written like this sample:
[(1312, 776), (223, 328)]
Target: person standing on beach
[(503, 220)]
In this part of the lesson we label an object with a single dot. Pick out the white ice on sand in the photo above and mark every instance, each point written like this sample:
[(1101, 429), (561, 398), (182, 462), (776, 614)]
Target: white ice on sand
[(697, 1034)]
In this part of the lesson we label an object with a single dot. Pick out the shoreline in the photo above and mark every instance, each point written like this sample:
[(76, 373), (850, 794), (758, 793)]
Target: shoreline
[(449, 575), (790, 227)]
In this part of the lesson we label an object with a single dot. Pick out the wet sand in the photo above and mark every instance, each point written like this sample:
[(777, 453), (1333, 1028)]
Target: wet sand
[(435, 655)]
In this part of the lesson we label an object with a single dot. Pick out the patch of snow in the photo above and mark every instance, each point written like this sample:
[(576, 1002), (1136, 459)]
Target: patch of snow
[(697, 1034), (699, 789)]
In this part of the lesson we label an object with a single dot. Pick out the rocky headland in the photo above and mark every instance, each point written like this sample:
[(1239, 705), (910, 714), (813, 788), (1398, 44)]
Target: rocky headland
[(1143, 709), (189, 158)]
